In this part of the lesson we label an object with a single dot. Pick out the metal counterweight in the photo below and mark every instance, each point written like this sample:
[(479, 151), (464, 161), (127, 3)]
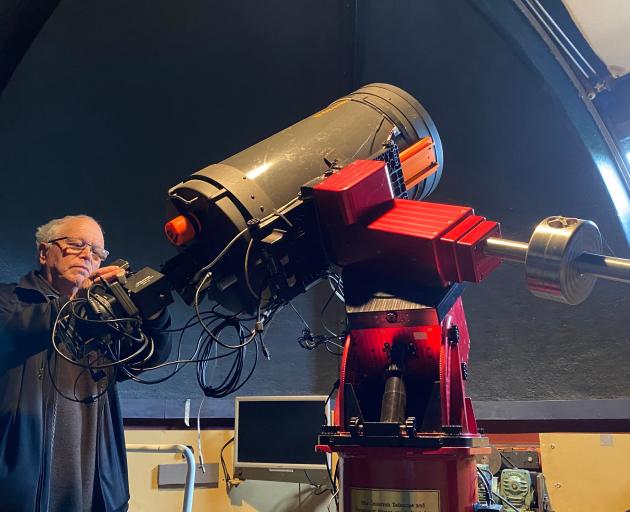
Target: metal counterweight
[(562, 259)]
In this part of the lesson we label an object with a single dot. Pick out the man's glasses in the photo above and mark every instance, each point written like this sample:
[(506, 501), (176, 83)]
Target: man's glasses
[(77, 245)]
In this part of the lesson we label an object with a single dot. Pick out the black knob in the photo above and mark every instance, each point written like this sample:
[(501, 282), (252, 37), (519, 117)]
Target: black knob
[(453, 335), (464, 371)]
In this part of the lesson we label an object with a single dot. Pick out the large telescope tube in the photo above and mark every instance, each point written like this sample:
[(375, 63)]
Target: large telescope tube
[(214, 204)]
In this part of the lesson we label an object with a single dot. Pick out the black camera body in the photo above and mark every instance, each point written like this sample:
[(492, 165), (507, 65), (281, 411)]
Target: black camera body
[(140, 294)]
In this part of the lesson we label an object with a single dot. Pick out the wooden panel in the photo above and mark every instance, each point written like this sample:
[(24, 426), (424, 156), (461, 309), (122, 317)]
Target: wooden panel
[(250, 496), (587, 472)]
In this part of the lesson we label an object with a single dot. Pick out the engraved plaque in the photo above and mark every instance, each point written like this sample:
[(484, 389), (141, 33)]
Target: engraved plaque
[(394, 500)]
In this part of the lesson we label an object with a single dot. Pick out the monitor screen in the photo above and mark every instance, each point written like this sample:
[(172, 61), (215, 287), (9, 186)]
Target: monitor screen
[(279, 431)]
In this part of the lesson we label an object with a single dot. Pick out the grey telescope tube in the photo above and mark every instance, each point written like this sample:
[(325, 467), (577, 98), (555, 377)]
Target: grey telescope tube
[(221, 198), (269, 174)]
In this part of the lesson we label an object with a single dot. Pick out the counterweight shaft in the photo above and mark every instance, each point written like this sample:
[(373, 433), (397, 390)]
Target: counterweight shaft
[(597, 265)]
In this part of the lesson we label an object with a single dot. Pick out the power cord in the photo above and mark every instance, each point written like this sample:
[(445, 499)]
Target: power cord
[(230, 481)]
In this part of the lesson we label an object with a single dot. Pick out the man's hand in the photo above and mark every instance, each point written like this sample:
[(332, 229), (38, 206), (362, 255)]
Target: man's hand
[(108, 274)]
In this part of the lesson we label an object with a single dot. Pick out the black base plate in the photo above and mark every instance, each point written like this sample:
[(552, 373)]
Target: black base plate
[(429, 441)]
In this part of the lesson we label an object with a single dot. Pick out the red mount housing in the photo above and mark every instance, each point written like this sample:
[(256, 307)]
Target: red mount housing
[(437, 359), (431, 246), (429, 243)]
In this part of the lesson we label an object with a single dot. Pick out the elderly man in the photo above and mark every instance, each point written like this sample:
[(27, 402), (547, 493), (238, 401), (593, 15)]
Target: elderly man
[(62, 443)]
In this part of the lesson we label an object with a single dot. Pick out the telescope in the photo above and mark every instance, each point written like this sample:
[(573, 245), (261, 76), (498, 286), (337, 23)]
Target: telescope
[(343, 193)]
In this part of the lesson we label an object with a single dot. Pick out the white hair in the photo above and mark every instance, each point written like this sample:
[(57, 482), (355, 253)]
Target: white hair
[(52, 229)]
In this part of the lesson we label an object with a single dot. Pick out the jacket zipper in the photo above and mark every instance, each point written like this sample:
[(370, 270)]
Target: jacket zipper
[(40, 480), (53, 425), (97, 460)]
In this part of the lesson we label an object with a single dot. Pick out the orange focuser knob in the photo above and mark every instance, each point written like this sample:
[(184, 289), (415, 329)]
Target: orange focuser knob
[(179, 230)]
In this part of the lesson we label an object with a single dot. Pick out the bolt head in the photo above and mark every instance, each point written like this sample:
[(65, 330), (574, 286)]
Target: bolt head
[(391, 317), (453, 335)]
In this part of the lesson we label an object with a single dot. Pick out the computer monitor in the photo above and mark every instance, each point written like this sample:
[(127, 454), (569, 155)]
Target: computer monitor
[(275, 438)]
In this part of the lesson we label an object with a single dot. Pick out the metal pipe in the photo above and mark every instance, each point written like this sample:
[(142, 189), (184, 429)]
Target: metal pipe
[(564, 36), (597, 265), (556, 38), (189, 489), (604, 267), (506, 249)]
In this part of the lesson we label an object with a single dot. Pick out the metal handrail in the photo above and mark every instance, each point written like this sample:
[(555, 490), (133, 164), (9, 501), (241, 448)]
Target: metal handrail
[(190, 461)]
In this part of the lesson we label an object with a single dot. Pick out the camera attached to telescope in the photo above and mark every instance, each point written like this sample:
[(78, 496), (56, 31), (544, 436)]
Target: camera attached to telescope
[(142, 294), (109, 312)]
